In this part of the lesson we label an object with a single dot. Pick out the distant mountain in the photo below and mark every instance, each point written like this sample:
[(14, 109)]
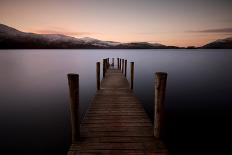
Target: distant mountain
[(11, 38), (220, 44)]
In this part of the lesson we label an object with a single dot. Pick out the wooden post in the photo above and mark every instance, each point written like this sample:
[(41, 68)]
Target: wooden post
[(104, 67), (108, 63), (122, 66), (132, 76), (118, 62), (73, 82), (113, 62), (160, 86), (125, 67), (98, 75)]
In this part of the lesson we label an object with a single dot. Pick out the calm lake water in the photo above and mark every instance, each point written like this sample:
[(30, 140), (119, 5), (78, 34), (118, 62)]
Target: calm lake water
[(34, 99)]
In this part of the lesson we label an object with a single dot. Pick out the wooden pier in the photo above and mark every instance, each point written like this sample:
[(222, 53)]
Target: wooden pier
[(116, 122)]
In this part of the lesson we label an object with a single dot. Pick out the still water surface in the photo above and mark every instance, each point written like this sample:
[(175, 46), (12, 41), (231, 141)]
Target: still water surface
[(34, 109)]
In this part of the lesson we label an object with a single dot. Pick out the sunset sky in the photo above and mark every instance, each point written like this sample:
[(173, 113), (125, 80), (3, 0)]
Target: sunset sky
[(170, 22)]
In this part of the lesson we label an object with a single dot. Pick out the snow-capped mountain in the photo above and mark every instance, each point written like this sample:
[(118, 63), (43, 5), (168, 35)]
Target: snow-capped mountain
[(100, 43), (11, 38)]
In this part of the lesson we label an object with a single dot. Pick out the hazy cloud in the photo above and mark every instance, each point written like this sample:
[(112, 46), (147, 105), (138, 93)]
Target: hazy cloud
[(221, 30)]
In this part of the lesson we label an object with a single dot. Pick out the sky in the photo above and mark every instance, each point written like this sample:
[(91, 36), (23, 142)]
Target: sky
[(169, 22)]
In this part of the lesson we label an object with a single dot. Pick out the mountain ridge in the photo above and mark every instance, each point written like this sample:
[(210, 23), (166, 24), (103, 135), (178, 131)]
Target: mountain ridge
[(11, 38), (219, 44)]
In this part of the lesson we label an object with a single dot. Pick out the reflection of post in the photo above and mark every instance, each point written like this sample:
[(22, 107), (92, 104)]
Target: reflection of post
[(132, 76), (122, 66), (160, 86), (125, 67), (98, 75), (73, 81), (113, 62)]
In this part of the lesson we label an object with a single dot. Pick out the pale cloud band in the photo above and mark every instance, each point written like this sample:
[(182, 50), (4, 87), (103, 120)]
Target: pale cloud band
[(220, 30)]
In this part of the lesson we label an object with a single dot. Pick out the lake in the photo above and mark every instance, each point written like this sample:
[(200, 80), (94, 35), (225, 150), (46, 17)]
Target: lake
[(34, 99)]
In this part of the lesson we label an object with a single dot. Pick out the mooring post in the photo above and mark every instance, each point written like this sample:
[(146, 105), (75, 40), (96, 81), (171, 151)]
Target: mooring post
[(132, 76), (108, 63), (98, 75), (122, 66), (73, 82), (104, 67), (118, 62), (160, 86), (125, 67), (113, 62)]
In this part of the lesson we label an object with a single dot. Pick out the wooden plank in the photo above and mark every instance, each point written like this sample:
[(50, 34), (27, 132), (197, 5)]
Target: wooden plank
[(134, 124), (102, 117), (118, 146), (115, 121), (116, 112), (127, 139), (119, 152), (116, 133), (107, 129)]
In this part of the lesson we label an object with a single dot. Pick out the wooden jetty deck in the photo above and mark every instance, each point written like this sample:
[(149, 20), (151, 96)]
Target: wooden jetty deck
[(116, 122)]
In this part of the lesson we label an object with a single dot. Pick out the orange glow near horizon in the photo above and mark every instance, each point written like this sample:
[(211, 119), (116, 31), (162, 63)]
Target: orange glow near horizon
[(188, 23), (186, 40)]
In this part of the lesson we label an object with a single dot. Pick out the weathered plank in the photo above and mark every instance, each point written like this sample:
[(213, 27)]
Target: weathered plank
[(116, 122)]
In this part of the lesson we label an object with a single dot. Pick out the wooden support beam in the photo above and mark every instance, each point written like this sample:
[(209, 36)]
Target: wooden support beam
[(125, 67), (132, 76), (120, 63), (160, 86), (98, 75), (104, 67), (122, 66), (108, 63), (73, 82)]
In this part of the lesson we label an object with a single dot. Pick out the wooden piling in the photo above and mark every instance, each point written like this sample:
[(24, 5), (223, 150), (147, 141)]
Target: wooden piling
[(160, 86), (125, 67), (98, 75), (104, 67), (118, 62), (122, 66), (73, 81), (132, 76), (106, 63), (113, 62)]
